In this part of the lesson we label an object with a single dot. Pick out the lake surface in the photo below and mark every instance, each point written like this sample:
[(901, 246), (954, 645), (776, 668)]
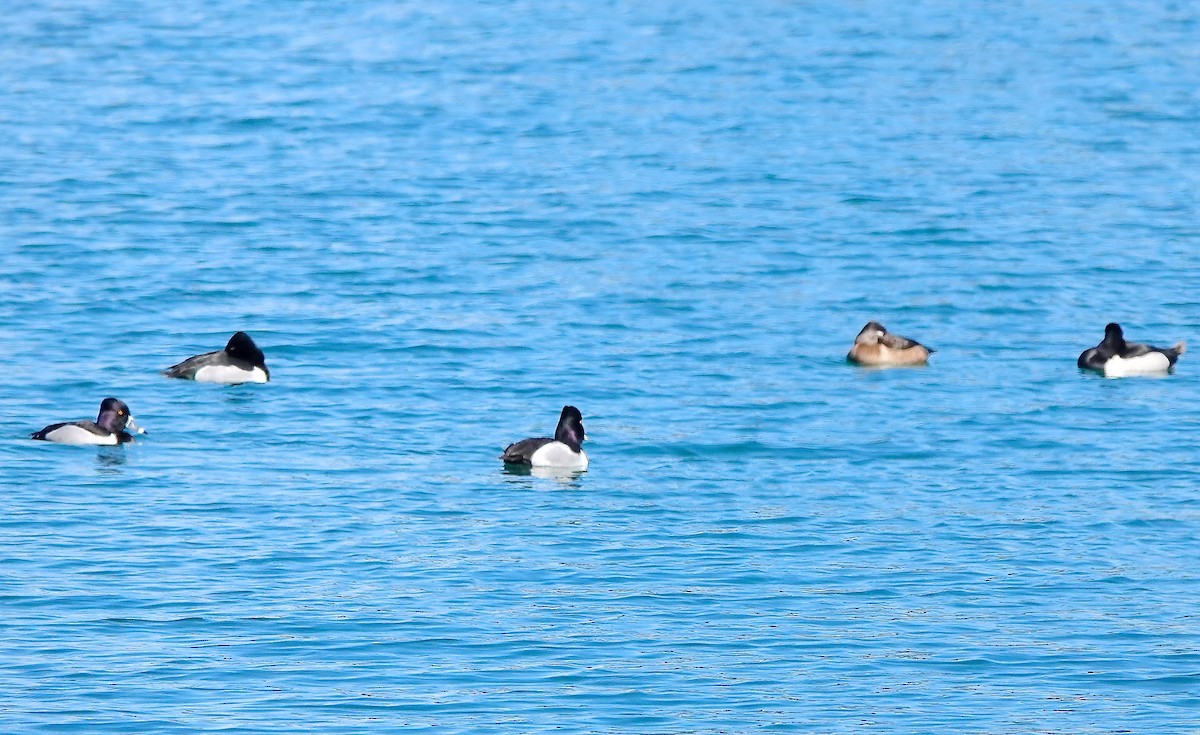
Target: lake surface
[(444, 221)]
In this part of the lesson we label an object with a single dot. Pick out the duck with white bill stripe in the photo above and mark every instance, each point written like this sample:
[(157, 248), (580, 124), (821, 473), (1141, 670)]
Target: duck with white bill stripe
[(109, 428)]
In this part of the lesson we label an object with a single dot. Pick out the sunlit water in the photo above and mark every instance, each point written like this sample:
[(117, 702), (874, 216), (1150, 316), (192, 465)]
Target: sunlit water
[(443, 222)]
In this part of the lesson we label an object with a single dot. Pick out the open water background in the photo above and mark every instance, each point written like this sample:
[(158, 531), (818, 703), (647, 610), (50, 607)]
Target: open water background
[(443, 221)]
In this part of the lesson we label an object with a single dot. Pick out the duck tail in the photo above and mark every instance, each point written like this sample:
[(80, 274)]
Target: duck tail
[(1180, 346)]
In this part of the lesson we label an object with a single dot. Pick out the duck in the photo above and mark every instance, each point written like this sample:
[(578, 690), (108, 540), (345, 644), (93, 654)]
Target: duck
[(110, 427), (240, 362), (1116, 358), (565, 450), (876, 347)]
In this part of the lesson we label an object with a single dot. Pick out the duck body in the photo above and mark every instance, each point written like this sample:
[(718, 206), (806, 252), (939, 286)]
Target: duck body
[(109, 428), (876, 347), (564, 450), (544, 452), (240, 362), (1116, 358)]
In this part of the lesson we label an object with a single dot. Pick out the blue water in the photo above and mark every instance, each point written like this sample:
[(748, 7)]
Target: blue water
[(444, 221)]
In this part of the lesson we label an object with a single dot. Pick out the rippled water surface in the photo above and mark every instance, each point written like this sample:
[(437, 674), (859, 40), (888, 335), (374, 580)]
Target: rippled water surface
[(444, 221)]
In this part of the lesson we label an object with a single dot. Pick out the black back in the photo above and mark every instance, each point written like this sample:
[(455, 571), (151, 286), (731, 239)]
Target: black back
[(522, 452), (42, 434)]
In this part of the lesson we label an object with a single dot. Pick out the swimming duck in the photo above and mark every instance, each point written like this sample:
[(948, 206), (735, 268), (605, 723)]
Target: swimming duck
[(108, 428), (240, 362), (564, 450), (1116, 358), (875, 347)]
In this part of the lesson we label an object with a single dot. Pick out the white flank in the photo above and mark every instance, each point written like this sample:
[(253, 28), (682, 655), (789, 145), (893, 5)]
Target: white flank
[(229, 375), (557, 454), (71, 434), (1151, 363)]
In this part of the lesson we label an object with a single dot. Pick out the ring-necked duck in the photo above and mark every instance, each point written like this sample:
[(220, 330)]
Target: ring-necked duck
[(240, 362), (564, 450), (108, 428), (875, 347), (1116, 358)]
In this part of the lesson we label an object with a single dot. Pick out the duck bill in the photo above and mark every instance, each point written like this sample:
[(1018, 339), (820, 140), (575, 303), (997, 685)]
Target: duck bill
[(132, 425)]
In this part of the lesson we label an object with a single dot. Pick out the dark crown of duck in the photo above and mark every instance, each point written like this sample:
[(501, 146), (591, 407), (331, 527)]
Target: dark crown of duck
[(114, 415), (570, 428), (242, 347)]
